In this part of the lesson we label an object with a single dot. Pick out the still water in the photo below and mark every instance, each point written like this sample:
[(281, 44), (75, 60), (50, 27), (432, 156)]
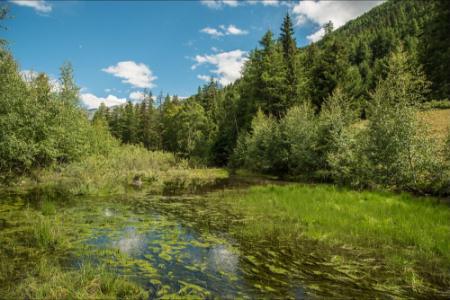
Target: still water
[(192, 246)]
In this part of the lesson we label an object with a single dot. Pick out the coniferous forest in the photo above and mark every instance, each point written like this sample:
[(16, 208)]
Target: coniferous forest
[(323, 171), (362, 73)]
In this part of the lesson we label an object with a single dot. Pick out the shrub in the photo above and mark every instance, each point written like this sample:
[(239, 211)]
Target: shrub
[(335, 117), (399, 149), (262, 150), (40, 127), (300, 128)]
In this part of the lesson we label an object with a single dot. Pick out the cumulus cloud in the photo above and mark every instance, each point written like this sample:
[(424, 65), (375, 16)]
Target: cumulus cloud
[(338, 12), (30, 75), (316, 36), (228, 65), (216, 4), (224, 30), (38, 5), (212, 31), (233, 30), (204, 77), (91, 101), (138, 75), (136, 96)]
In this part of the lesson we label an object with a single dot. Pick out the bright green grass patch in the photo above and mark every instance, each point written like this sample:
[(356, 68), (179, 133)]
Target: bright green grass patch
[(409, 234)]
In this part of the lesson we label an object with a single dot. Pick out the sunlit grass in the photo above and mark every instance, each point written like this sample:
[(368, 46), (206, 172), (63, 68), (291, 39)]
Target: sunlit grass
[(408, 234), (114, 174), (87, 282)]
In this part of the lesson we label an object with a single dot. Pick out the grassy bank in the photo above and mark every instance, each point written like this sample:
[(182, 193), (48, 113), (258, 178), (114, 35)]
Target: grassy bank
[(125, 168), (408, 236)]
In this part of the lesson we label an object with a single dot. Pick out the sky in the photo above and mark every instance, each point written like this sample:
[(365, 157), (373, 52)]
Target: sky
[(120, 48)]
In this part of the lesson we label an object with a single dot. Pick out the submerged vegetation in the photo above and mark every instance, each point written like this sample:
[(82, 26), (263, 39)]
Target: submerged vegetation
[(33, 259), (272, 241)]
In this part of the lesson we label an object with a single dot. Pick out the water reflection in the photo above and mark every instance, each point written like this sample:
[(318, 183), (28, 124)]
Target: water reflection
[(108, 212), (130, 242), (222, 259)]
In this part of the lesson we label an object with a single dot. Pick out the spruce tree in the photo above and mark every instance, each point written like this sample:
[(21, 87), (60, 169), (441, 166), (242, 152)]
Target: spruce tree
[(289, 46)]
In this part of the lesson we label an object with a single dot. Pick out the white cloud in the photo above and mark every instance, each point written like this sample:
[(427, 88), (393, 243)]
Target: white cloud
[(38, 5), (216, 4), (224, 30), (138, 75), (212, 31), (228, 65), (233, 30), (204, 77), (136, 96), (338, 12), (29, 75), (270, 2), (91, 101), (316, 36)]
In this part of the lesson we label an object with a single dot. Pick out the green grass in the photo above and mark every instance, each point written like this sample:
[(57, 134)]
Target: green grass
[(409, 235), (114, 173), (88, 282)]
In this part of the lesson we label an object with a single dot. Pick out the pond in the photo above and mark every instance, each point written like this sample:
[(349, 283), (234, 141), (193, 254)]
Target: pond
[(191, 245)]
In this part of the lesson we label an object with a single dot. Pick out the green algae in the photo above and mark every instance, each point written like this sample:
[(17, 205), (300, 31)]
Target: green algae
[(189, 247)]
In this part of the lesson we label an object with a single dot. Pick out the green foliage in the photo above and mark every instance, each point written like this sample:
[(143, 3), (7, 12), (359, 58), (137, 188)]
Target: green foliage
[(300, 127), (395, 149), (257, 149), (398, 148), (40, 126), (392, 149), (69, 89)]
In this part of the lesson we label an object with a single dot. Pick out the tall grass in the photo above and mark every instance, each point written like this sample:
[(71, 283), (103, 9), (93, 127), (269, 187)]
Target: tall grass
[(48, 234), (88, 282), (114, 173), (401, 230)]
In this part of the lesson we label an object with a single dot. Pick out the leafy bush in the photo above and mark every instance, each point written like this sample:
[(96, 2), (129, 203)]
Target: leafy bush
[(39, 126), (263, 149), (393, 148), (300, 128)]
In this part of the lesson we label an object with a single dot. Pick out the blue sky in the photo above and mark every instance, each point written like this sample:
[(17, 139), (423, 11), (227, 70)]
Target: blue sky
[(119, 48)]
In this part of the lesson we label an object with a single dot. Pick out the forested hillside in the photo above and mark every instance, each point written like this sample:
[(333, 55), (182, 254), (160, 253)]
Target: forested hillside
[(279, 75)]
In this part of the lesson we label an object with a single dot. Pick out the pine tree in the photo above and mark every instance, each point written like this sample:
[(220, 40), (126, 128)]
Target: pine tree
[(289, 46)]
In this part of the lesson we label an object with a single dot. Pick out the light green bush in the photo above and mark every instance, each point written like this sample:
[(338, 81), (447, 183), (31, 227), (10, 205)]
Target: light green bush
[(40, 127), (300, 128)]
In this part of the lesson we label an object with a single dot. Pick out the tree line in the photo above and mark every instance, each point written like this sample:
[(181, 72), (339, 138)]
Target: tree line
[(339, 110), (285, 90)]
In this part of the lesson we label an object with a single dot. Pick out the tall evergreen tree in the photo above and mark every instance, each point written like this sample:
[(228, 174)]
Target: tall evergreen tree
[(289, 45)]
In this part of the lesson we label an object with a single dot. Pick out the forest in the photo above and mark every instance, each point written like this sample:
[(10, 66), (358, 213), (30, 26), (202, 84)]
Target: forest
[(325, 112), (323, 171)]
